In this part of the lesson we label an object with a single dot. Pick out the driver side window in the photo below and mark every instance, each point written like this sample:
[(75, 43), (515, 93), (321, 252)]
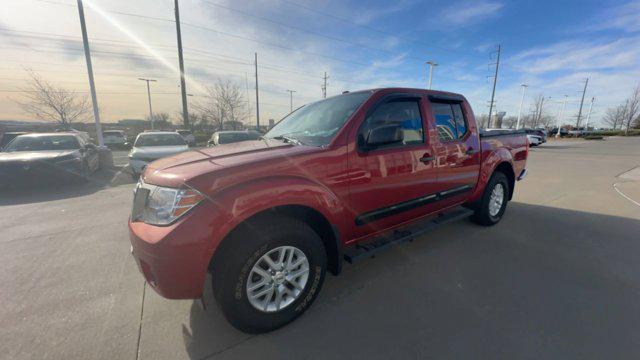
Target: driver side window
[(404, 113)]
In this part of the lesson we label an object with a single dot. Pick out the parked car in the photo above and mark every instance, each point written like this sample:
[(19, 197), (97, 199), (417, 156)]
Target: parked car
[(8, 136), (534, 140), (228, 137), (46, 155), (540, 133), (188, 136), (563, 132), (152, 145), (340, 178), (114, 138)]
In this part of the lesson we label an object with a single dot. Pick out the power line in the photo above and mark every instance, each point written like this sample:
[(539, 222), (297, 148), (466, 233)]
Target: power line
[(315, 33)]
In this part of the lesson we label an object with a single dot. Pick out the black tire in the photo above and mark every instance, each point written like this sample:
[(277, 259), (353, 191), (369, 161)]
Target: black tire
[(238, 254), (482, 214)]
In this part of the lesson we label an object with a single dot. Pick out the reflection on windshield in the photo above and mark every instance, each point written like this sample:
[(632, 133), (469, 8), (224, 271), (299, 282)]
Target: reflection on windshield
[(160, 140), (41, 143), (317, 123)]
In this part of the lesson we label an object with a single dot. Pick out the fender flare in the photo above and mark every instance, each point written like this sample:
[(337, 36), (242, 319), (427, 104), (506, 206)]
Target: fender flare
[(234, 205), (489, 166)]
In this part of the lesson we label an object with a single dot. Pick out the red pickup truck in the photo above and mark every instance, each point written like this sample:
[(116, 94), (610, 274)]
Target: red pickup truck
[(338, 179)]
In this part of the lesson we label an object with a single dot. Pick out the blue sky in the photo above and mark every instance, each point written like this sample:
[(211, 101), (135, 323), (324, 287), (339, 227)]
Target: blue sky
[(551, 46)]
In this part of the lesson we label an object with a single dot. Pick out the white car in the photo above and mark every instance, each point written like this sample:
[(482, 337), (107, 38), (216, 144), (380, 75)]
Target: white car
[(534, 140), (188, 136), (153, 145), (114, 138)]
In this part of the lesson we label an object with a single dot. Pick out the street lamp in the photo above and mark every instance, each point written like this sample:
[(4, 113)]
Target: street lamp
[(291, 99), (524, 87), (432, 64)]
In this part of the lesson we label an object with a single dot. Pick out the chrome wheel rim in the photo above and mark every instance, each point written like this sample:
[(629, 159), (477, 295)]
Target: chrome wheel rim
[(277, 279), (496, 199)]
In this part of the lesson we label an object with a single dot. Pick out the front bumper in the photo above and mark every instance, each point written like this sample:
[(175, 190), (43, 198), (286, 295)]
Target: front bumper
[(174, 259)]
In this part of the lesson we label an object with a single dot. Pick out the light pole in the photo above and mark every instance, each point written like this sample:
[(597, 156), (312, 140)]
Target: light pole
[(291, 99), (524, 88), (586, 124), (149, 95), (432, 64), (92, 86), (560, 118)]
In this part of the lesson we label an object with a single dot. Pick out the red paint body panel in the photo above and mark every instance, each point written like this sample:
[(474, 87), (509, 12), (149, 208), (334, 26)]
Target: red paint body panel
[(339, 181)]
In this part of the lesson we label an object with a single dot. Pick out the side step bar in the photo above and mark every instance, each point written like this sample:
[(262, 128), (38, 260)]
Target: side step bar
[(370, 248)]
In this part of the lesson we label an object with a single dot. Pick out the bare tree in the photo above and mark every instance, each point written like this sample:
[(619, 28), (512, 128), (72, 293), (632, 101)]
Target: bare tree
[(161, 120), (614, 116), (48, 102), (483, 121), (223, 103), (632, 108), (537, 108), (509, 122)]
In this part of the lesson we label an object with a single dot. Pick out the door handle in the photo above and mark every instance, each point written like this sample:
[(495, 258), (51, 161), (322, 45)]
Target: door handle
[(471, 151), (426, 158)]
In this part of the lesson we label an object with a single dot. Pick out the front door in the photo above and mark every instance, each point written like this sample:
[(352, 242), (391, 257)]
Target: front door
[(395, 182)]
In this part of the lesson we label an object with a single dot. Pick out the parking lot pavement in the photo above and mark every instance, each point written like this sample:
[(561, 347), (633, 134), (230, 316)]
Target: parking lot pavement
[(557, 278)]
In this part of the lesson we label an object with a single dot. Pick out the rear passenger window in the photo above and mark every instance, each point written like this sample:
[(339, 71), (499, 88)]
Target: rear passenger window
[(403, 112), (450, 122)]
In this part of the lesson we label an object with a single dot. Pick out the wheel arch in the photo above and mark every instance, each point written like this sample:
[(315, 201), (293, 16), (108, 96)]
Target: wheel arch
[(328, 232), (506, 168)]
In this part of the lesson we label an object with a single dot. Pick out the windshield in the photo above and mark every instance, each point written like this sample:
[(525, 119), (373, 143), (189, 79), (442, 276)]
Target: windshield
[(317, 123), (160, 140), (112, 133), (184, 132), (40, 143)]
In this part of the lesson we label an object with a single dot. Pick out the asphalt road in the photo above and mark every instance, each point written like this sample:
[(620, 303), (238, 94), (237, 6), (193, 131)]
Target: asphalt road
[(559, 278)]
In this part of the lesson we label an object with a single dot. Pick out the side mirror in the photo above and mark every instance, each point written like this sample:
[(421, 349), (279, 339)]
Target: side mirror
[(384, 135)]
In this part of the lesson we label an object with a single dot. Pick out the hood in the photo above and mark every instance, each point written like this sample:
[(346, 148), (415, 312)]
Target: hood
[(34, 155), (175, 170), (157, 152)]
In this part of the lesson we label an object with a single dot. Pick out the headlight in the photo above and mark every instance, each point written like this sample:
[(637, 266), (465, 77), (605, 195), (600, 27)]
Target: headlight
[(164, 205)]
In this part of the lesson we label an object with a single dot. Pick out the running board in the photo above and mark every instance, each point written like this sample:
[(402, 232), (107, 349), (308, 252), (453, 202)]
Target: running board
[(370, 248)]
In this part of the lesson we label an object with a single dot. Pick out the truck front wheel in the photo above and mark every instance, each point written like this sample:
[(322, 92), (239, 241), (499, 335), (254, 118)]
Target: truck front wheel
[(493, 203), (268, 274)]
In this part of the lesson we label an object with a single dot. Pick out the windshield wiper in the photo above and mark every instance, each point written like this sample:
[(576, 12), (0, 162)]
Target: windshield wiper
[(288, 139)]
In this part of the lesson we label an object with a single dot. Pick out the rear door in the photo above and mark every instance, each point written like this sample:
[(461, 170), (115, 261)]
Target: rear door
[(457, 149), (392, 183)]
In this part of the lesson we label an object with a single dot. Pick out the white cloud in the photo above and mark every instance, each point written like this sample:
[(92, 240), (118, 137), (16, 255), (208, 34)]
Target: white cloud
[(579, 55), (470, 12), (624, 17)]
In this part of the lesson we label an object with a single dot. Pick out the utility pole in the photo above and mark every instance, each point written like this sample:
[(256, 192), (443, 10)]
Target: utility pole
[(324, 87), (291, 99), (524, 88), (581, 102), (149, 95), (92, 85), (257, 100), (183, 86), (432, 64), (495, 80), (586, 125), (539, 114), (561, 117)]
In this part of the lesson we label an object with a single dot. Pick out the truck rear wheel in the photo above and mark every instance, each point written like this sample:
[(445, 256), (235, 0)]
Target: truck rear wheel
[(493, 203), (268, 273)]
